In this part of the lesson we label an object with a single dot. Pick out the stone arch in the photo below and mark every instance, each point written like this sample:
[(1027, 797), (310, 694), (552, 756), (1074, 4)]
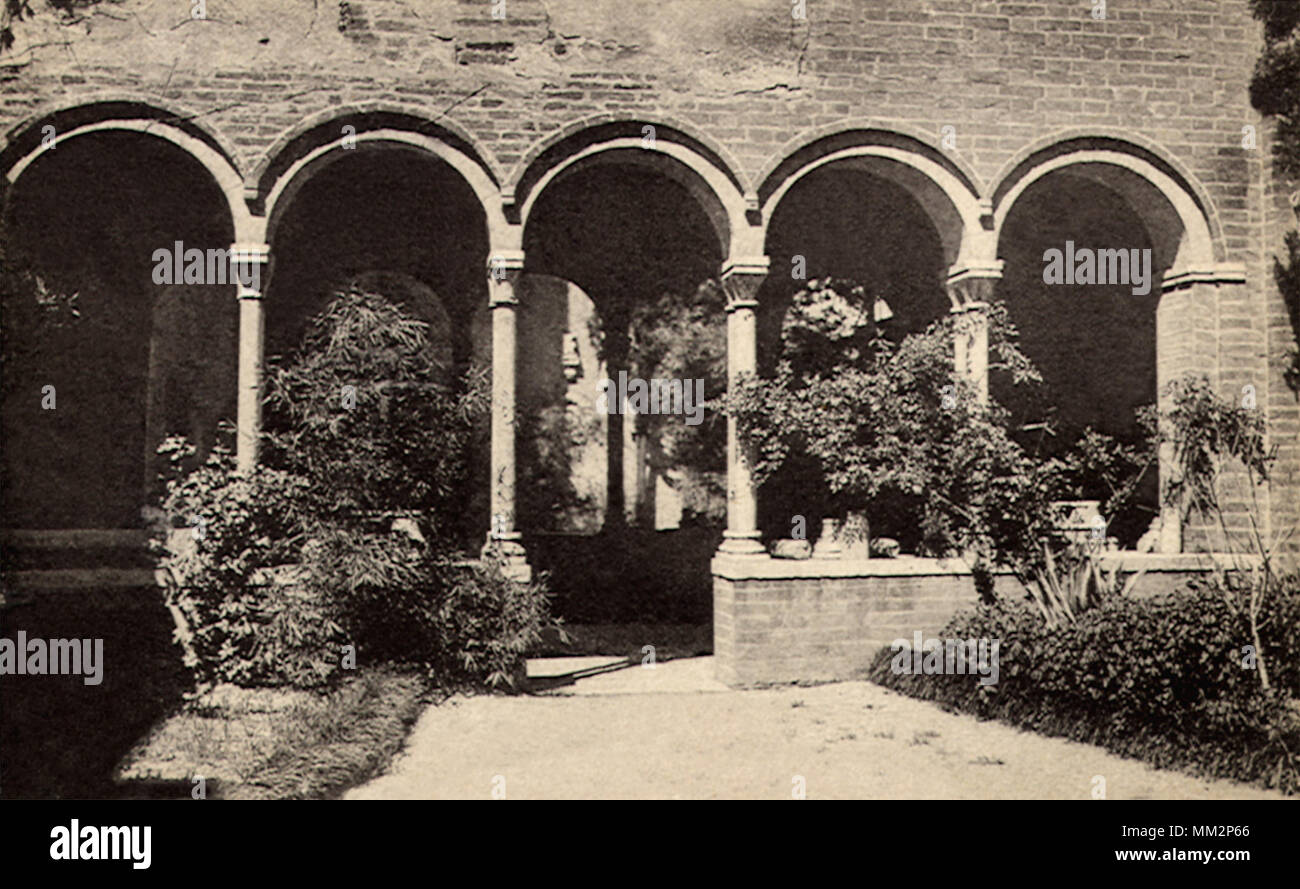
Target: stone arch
[(945, 186), (1175, 207), (678, 151), (25, 142), (318, 141), (1152, 337)]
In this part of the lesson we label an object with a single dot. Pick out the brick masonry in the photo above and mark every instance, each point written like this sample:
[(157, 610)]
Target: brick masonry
[(778, 621)]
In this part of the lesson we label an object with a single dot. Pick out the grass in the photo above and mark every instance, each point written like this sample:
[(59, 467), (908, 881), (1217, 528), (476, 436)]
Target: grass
[(275, 744)]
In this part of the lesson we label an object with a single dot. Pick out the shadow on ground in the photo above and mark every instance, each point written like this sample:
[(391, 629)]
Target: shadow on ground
[(61, 738)]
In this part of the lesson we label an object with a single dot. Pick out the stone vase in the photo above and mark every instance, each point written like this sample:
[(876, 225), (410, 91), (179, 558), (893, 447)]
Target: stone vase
[(828, 544)]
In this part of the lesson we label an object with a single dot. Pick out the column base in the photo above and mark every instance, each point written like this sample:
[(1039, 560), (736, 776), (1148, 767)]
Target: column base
[(742, 543), (510, 552)]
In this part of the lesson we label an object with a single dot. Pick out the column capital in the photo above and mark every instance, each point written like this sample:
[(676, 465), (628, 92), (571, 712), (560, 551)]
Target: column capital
[(741, 278), (970, 285), (252, 256), (250, 251), (502, 264)]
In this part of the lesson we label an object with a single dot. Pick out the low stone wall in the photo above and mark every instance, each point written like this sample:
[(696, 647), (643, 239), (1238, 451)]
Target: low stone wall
[(781, 620)]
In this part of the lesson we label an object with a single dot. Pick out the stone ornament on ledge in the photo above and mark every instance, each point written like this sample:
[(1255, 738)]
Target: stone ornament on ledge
[(791, 549), (828, 544)]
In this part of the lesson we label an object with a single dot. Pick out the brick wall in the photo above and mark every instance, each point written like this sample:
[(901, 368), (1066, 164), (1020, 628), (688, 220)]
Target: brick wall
[(781, 621), (1002, 74)]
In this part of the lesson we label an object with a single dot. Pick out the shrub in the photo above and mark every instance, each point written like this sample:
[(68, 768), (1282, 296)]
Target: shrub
[(467, 621), (486, 622), (301, 556), (360, 412), (223, 547), (1160, 679), (892, 430)]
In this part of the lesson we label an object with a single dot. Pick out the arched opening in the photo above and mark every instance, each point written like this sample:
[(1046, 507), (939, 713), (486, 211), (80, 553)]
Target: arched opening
[(613, 233), (139, 354), (400, 222), (869, 220), (1094, 334)]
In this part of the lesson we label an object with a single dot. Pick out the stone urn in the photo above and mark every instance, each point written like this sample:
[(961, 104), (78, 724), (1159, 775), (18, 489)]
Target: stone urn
[(828, 544), (1082, 521)]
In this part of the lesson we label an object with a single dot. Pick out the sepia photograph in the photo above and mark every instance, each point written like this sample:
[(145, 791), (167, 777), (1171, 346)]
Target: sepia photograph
[(877, 400)]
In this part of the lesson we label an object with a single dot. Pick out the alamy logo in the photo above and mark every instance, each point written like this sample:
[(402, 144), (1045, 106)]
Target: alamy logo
[(55, 657), (954, 657), (637, 396), (177, 265), (76, 843), (1088, 266)]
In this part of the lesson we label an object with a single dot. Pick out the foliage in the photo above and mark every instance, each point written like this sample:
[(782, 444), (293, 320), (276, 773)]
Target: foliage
[(234, 621), (1103, 468), (302, 555), (1275, 91), (18, 10), (466, 620), (396, 440), (546, 442), (1162, 679), (487, 622), (1213, 438), (686, 338), (1208, 432), (1071, 581), (1275, 85), (891, 428)]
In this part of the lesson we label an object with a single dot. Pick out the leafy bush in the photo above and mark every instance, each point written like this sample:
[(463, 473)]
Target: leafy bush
[(892, 431), (486, 622), (1160, 679), (292, 561), (467, 621), (361, 414), (223, 549)]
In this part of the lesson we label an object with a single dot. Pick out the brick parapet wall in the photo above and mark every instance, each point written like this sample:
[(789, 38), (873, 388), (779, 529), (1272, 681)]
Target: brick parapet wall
[(777, 621)]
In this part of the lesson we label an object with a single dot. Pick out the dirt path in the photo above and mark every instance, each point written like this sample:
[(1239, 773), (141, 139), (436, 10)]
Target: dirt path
[(670, 732)]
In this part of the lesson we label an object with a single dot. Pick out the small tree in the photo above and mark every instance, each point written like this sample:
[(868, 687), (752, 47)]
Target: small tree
[(892, 428), (1212, 438), (360, 411)]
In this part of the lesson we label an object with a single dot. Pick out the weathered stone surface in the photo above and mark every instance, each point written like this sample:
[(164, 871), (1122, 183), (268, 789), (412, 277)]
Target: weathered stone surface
[(792, 549), (885, 548)]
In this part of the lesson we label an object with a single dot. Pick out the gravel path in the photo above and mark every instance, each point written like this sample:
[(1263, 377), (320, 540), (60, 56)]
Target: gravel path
[(646, 734)]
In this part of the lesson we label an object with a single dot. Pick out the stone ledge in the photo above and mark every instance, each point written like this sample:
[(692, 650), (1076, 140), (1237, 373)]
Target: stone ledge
[(764, 567)]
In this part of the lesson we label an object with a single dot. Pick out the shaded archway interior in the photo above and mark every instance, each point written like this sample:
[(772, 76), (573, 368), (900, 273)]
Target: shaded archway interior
[(140, 360), (846, 223), (624, 234), (1095, 344), (404, 224)]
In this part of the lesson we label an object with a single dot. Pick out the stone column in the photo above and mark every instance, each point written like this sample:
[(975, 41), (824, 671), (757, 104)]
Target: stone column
[(249, 262), (970, 289), (741, 279), (504, 271)]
